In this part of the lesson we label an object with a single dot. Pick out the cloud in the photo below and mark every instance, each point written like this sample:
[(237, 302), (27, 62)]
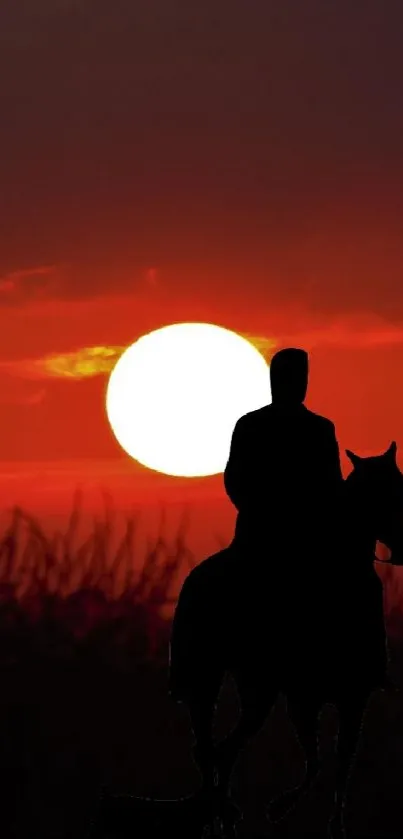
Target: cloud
[(355, 331), (29, 284), (86, 279), (266, 346), (88, 362), (348, 332), (80, 364), (22, 273), (363, 331), (15, 391)]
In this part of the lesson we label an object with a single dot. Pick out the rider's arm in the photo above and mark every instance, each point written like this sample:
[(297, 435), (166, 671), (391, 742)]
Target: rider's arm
[(335, 473), (234, 473)]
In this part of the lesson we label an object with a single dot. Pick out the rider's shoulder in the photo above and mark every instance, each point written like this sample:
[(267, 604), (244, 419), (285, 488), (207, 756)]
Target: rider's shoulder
[(323, 422), (254, 417), (260, 416)]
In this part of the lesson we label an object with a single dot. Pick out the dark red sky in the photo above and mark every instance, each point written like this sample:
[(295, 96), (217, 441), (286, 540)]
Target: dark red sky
[(250, 154)]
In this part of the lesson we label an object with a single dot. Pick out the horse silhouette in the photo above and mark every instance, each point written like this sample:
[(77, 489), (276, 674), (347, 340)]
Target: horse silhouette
[(329, 646)]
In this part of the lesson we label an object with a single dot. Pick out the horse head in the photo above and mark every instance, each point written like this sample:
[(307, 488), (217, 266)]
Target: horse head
[(379, 482)]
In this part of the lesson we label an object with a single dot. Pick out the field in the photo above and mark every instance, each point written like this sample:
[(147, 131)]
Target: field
[(84, 635)]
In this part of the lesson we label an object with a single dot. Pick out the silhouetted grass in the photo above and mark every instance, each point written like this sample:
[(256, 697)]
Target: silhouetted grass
[(96, 589), (68, 590)]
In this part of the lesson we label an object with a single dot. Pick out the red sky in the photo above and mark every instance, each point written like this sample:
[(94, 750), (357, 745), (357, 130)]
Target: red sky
[(186, 161)]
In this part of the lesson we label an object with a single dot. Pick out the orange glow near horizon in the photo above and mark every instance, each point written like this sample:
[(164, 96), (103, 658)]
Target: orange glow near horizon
[(56, 356)]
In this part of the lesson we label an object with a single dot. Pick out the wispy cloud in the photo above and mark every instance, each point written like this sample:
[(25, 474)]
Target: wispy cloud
[(355, 331), (87, 362), (266, 346), (15, 391), (91, 361), (74, 282), (351, 332), (30, 283), (38, 270), (80, 364)]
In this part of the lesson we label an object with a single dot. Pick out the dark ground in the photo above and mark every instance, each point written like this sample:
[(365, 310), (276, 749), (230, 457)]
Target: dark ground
[(84, 703), (70, 725)]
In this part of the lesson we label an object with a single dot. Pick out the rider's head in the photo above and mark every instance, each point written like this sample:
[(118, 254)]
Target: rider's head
[(289, 376)]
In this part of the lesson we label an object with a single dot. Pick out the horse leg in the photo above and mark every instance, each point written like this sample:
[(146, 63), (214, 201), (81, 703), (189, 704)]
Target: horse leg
[(351, 712), (304, 714), (215, 813), (256, 703), (201, 706)]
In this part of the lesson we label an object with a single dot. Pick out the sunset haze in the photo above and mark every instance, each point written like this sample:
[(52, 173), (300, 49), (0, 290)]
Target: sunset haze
[(234, 164)]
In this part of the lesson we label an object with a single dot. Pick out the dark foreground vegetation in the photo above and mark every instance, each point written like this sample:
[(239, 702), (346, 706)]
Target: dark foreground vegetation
[(83, 657)]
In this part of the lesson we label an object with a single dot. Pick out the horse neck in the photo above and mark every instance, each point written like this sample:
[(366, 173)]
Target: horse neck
[(360, 529)]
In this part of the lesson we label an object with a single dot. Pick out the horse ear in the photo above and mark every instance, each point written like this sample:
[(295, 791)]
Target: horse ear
[(391, 452), (355, 458)]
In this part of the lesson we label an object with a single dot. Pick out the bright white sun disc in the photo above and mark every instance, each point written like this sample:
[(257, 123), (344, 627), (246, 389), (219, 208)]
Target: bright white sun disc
[(174, 396)]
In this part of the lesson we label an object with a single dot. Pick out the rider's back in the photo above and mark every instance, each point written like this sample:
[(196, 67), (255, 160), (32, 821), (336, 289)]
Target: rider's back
[(284, 477), (283, 471)]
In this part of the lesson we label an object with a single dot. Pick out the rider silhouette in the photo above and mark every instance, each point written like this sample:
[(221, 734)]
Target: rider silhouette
[(284, 463), (284, 477)]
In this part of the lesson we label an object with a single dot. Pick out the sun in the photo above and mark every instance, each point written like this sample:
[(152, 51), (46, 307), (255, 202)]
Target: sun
[(174, 396)]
